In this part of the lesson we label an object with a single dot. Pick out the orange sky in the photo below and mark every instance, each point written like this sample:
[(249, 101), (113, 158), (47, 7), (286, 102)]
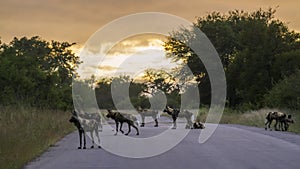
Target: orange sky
[(77, 20)]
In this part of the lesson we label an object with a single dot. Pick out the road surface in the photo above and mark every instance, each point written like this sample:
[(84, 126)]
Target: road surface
[(230, 147)]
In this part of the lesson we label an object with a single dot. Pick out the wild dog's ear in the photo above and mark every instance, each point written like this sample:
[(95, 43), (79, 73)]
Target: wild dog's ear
[(289, 116), (74, 113)]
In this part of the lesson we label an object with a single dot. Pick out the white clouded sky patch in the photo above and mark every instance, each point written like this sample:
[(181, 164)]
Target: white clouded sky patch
[(130, 56)]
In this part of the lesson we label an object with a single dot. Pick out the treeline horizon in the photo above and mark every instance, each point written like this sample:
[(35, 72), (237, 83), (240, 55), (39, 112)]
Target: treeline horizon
[(259, 53)]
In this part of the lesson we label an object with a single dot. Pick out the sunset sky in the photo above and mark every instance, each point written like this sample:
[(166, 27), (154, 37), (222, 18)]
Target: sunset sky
[(77, 20)]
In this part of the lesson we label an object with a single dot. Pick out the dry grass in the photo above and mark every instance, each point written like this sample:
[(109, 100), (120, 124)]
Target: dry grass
[(27, 132)]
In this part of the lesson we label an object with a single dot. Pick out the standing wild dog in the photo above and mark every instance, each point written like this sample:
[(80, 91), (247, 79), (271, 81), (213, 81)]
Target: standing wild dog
[(95, 116), (280, 119), (144, 113), (285, 123), (83, 125), (121, 118), (175, 113)]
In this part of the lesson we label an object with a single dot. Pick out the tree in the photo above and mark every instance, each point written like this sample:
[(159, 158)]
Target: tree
[(124, 90), (249, 46), (285, 93), (36, 72)]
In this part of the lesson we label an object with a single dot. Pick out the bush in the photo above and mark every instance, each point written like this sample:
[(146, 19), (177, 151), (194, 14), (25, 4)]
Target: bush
[(285, 94)]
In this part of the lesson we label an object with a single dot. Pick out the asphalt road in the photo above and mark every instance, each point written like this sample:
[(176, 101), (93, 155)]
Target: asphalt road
[(230, 147)]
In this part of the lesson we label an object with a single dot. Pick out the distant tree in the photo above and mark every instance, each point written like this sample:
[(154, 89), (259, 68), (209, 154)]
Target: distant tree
[(125, 91)]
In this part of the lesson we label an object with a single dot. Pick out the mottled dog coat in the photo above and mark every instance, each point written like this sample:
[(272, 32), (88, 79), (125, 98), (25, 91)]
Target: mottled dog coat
[(175, 113), (121, 118), (84, 125), (94, 116), (281, 120), (148, 113)]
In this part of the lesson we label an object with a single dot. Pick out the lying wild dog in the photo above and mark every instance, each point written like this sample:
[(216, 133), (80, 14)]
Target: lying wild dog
[(198, 125), (83, 125), (95, 116), (121, 118), (280, 119), (175, 113), (146, 113)]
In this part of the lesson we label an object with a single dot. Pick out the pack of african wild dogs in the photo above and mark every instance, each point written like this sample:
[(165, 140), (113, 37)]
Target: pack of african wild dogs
[(282, 121), (91, 122)]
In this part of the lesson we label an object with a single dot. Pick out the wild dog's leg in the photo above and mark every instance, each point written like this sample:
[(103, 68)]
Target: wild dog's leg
[(269, 124), (276, 125), (174, 121), (266, 124), (84, 141), (137, 130), (100, 125), (92, 135), (268, 120), (117, 127), (121, 127), (80, 139), (97, 135), (143, 120), (155, 119), (282, 124), (129, 128), (189, 123), (286, 125), (279, 125), (156, 123)]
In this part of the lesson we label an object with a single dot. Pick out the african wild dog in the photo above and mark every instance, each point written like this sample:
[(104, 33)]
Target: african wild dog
[(175, 113), (83, 125), (285, 123), (95, 116), (280, 119), (198, 125), (144, 113), (121, 118)]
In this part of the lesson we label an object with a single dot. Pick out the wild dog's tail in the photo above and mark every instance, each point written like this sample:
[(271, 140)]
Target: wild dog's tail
[(135, 120), (193, 117), (268, 116), (266, 120), (138, 123), (157, 115)]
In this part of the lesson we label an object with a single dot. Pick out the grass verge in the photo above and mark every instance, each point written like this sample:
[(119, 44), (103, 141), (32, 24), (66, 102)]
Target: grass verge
[(27, 132)]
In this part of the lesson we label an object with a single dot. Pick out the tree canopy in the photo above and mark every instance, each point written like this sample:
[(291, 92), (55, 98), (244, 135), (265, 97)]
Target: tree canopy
[(256, 50), (37, 72)]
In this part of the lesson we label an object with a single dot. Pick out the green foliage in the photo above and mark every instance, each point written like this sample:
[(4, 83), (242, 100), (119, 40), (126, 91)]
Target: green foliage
[(255, 48), (36, 72), (286, 93)]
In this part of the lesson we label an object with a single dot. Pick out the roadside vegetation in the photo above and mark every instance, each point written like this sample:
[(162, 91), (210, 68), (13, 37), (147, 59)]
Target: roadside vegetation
[(35, 97), (27, 132)]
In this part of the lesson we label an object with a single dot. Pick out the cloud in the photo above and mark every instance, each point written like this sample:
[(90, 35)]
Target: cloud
[(137, 43), (106, 67)]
